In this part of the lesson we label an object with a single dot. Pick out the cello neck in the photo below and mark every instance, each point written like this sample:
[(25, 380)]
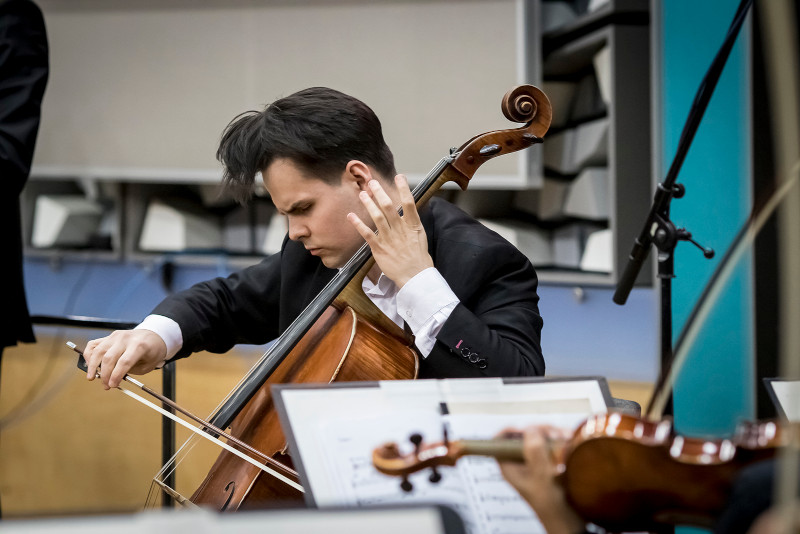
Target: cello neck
[(522, 104), (355, 269)]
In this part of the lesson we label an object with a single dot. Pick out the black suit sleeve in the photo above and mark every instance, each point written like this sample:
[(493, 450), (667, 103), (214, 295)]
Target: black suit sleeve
[(495, 330), (220, 313)]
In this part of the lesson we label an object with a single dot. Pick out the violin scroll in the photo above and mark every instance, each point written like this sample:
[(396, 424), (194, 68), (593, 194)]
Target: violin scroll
[(390, 461)]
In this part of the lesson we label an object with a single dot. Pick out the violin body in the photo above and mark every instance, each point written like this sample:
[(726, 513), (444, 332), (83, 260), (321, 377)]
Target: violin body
[(624, 473), (620, 472)]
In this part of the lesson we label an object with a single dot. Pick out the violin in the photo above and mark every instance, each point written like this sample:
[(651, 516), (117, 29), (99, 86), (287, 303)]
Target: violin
[(618, 471)]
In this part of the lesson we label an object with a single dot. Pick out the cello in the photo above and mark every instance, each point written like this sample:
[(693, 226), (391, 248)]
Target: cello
[(340, 336)]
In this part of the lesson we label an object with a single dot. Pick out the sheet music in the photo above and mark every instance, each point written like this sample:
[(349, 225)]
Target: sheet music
[(475, 488), (500, 509), (334, 431)]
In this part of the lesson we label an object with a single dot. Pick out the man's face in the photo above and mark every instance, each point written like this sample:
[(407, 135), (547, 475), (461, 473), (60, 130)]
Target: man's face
[(316, 211)]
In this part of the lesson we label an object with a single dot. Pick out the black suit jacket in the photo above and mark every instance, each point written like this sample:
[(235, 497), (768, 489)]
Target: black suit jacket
[(23, 77), (494, 331)]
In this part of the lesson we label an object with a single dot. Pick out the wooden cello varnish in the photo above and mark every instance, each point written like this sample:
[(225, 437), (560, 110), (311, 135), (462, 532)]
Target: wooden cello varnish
[(349, 342)]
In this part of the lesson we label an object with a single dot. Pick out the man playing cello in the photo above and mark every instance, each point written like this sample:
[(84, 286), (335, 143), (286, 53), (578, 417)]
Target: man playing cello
[(467, 295)]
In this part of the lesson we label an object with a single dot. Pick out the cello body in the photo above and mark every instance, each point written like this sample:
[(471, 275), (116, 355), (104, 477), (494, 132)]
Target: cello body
[(342, 345)]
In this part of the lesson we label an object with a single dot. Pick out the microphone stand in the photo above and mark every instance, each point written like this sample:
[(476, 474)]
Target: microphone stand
[(658, 230)]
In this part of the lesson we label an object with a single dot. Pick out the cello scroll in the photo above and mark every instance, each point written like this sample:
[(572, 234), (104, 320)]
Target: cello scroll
[(524, 104)]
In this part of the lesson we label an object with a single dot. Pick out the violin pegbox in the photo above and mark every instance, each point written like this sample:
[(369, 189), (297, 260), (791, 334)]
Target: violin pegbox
[(390, 461)]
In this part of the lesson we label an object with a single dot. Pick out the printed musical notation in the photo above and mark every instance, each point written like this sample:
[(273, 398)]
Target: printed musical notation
[(475, 488), (336, 430)]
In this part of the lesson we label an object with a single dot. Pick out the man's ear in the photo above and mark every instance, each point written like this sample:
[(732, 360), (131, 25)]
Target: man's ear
[(357, 174)]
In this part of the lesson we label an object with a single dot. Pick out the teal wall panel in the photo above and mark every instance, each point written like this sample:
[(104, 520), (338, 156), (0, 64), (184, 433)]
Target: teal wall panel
[(714, 390)]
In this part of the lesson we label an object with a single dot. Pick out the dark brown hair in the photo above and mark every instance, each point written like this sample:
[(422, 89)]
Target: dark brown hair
[(319, 129)]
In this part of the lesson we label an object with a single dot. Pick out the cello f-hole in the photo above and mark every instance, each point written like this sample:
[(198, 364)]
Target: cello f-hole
[(232, 486)]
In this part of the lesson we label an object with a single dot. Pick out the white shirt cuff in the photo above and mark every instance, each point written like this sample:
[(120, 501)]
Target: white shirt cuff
[(167, 329), (425, 303)]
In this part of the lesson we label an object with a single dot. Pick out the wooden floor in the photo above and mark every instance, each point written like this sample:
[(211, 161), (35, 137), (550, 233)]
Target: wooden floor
[(67, 446)]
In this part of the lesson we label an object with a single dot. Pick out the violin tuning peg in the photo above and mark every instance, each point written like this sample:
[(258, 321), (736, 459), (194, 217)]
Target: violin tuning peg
[(406, 485), (416, 439), (435, 475)]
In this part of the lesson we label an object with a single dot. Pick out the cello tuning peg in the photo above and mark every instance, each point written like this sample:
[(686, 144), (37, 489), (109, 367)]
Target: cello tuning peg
[(435, 475), (406, 485), (531, 139), (416, 439)]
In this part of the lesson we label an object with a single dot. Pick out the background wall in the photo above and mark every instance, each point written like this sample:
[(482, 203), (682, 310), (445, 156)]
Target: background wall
[(150, 85)]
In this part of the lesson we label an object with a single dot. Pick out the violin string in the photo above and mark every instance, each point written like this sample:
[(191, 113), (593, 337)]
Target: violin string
[(703, 309)]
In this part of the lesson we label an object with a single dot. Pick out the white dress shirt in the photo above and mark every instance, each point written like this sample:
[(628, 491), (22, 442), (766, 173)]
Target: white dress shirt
[(424, 303)]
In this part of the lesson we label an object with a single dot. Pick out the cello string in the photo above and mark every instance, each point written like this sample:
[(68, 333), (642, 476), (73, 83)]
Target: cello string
[(698, 317), (199, 432), (170, 467), (209, 426), (180, 499), (347, 271)]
